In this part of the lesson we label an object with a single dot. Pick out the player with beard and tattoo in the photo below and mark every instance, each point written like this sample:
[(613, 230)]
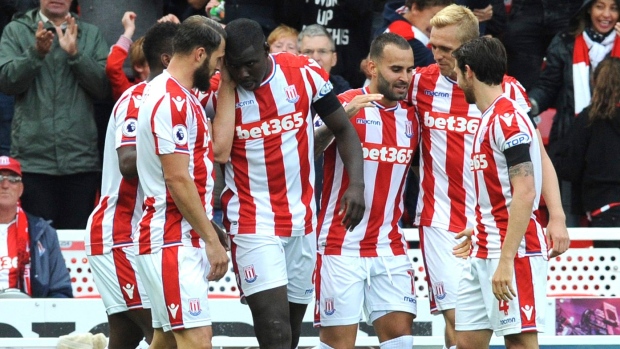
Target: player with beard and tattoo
[(503, 286), (178, 248), (446, 202)]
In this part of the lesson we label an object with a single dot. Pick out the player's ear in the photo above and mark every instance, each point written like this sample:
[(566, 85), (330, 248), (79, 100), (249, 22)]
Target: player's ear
[(372, 67), (468, 72), (165, 59)]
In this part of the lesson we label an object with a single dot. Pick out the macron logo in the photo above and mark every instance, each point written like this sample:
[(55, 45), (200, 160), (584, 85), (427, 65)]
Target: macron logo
[(436, 94), (178, 101), (129, 290), (527, 310), (507, 117), (173, 310)]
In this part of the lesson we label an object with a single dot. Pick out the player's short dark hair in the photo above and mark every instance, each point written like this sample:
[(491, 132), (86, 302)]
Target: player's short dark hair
[(424, 4), (243, 33), (486, 57), (380, 42), (198, 31), (157, 41)]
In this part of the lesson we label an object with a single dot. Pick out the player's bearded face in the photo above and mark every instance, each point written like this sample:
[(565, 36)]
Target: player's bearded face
[(467, 88), (393, 91), (202, 76)]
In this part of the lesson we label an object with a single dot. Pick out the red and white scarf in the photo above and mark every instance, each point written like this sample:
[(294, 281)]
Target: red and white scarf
[(22, 240), (587, 51)]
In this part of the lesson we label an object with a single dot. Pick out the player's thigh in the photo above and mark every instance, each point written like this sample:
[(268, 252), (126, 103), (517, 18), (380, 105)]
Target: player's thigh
[(340, 282), (300, 254), (176, 282), (442, 267), (259, 263), (118, 282), (391, 288), (471, 312)]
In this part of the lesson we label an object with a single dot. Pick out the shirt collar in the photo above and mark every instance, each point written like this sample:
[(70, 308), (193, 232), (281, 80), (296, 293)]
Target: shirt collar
[(45, 19)]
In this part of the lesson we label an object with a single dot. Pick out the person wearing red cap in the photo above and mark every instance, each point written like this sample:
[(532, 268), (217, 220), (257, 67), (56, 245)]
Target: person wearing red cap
[(30, 257)]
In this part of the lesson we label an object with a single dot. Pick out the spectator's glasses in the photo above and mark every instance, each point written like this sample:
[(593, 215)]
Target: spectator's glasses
[(11, 179), (321, 52)]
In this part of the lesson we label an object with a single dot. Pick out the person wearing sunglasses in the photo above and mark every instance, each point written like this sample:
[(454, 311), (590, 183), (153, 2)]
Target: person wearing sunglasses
[(30, 256)]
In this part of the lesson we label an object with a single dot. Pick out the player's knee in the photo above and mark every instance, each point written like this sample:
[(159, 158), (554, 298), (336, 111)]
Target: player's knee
[(274, 333)]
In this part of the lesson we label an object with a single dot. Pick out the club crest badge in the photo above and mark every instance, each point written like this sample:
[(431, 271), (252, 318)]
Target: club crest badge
[(291, 94), (249, 273)]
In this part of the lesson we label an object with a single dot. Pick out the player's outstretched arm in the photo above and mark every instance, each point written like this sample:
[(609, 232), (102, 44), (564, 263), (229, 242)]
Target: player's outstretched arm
[(186, 198), (349, 147), (557, 234)]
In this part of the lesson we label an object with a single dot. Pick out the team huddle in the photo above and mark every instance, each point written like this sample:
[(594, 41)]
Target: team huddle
[(153, 247)]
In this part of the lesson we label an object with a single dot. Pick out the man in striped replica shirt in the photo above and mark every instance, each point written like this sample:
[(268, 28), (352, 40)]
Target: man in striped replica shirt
[(503, 288), (269, 205), (109, 244), (178, 249), (368, 267), (445, 212)]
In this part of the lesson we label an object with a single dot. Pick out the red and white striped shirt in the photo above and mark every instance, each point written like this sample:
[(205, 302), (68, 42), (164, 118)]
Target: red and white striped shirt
[(448, 124), (270, 174), (120, 206), (504, 125), (171, 120), (389, 138)]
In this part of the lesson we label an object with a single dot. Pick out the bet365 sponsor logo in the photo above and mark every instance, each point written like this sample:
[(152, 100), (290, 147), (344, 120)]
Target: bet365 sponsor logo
[(262, 129), (387, 154), (442, 121)]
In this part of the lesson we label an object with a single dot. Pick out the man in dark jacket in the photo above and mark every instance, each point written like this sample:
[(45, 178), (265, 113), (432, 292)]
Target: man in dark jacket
[(54, 64), (30, 253)]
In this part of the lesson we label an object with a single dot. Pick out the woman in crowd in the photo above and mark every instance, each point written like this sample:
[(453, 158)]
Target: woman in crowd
[(590, 159), (593, 35)]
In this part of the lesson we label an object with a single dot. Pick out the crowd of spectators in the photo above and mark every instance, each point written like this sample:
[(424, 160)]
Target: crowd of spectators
[(58, 85)]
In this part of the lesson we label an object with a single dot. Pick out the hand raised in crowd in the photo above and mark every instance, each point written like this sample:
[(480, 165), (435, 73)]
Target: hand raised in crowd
[(462, 249), (43, 40), (129, 23), (68, 39), (218, 259), (211, 4), (169, 18), (484, 14), (361, 101), (617, 26)]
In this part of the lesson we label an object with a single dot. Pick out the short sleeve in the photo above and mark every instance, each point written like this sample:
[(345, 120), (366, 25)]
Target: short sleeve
[(511, 129), (171, 124)]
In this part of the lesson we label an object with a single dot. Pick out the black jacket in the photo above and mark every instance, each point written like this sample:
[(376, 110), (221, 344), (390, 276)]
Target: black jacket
[(555, 87), (590, 159)]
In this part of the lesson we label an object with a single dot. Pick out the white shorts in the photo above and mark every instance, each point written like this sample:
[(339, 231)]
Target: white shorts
[(478, 309), (264, 262), (175, 278), (117, 280), (442, 267), (346, 284)]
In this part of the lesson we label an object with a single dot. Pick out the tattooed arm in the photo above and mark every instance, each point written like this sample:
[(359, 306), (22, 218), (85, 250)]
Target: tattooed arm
[(523, 196)]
